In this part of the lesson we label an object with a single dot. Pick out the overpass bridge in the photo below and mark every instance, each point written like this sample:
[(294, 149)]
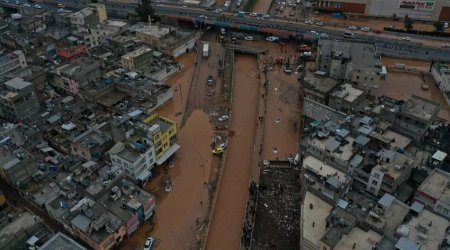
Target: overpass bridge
[(244, 49)]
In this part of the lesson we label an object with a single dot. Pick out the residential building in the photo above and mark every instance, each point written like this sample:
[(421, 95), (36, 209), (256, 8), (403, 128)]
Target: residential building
[(412, 117), (73, 76), (84, 17), (357, 63), (100, 10), (91, 144), (441, 74), (18, 100), (169, 40), (346, 98), (163, 133), (392, 170), (71, 52), (12, 61), (61, 241), (318, 87), (16, 167), (136, 156), (137, 58), (434, 192)]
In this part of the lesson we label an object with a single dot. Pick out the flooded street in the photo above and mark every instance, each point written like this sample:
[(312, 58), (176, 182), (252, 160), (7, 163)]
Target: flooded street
[(281, 133), (225, 229), (262, 6), (401, 86)]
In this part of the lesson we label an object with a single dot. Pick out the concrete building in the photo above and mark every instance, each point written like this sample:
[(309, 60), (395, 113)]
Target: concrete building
[(346, 98), (163, 133), (441, 74), (412, 117), (73, 76), (423, 10), (357, 63), (17, 166), (434, 192), (317, 86), (137, 58), (18, 100), (61, 241), (392, 170), (12, 61), (84, 17), (136, 156), (100, 10), (169, 40), (91, 144)]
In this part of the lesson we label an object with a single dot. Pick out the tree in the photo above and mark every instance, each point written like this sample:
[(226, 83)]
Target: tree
[(408, 23), (144, 10), (439, 26)]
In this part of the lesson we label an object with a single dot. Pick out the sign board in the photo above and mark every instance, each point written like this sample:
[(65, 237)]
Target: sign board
[(420, 5)]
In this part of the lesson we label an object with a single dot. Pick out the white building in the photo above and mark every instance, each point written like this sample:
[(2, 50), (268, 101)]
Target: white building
[(136, 157)]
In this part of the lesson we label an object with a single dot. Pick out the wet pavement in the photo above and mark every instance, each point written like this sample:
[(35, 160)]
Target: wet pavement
[(225, 230)]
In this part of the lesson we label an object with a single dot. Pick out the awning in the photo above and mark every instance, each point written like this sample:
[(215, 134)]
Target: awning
[(144, 175), (168, 154)]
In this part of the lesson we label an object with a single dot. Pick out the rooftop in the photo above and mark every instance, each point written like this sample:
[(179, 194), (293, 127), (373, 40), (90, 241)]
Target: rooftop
[(362, 55), (61, 241), (421, 107), (322, 169), (340, 150), (317, 215), (347, 92), (132, 150), (398, 140), (152, 30), (363, 240), (163, 123), (320, 83), (437, 185), (136, 53), (17, 83), (396, 165), (435, 233), (92, 138)]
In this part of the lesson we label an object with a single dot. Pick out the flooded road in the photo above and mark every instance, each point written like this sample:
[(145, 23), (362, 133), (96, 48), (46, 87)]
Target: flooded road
[(175, 219), (225, 229), (401, 86), (281, 133), (262, 6)]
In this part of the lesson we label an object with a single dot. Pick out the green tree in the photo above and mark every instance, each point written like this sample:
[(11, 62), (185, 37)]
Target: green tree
[(144, 10), (408, 23), (439, 26)]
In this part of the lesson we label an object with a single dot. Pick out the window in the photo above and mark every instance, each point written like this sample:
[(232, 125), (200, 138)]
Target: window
[(377, 176), (357, 77), (445, 211), (374, 182)]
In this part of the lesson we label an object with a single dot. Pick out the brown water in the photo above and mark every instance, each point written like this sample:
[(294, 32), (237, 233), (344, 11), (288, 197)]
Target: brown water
[(403, 85), (262, 6), (283, 116), (174, 222), (225, 229)]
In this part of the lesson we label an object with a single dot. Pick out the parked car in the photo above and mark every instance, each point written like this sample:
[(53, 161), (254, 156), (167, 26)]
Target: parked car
[(248, 38), (376, 31), (210, 81), (149, 243), (253, 14), (223, 118), (320, 24), (272, 38), (352, 27), (406, 38), (265, 16), (365, 29), (324, 35), (445, 45)]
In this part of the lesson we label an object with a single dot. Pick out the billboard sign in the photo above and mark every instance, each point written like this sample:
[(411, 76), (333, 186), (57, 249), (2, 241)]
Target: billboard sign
[(420, 5)]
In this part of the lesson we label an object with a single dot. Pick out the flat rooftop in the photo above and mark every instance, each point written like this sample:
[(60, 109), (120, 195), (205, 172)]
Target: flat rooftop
[(321, 83), (153, 30), (363, 240), (436, 185), (136, 53), (399, 141), (343, 152), (61, 241), (348, 92), (421, 107), (17, 83), (362, 55), (436, 232), (391, 167), (322, 169), (317, 215)]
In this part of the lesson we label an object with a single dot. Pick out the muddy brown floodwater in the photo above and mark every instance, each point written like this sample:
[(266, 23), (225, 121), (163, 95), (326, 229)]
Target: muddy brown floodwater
[(401, 86), (174, 222), (262, 6), (225, 229)]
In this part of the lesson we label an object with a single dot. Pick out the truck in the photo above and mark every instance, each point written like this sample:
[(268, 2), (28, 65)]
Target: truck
[(205, 49)]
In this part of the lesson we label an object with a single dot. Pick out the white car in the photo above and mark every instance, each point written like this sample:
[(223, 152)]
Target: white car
[(324, 35), (254, 14), (265, 16), (309, 22), (223, 118), (248, 38), (445, 45), (365, 29), (26, 5), (272, 38), (36, 6), (406, 38), (149, 243), (352, 27), (320, 24)]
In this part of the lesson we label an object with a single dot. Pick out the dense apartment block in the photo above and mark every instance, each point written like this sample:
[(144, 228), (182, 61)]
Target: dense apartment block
[(12, 61), (75, 75), (317, 86), (137, 58), (434, 192), (18, 100)]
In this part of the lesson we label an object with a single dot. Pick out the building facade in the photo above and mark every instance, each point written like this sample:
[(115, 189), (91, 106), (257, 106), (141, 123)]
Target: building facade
[(12, 61), (18, 100), (137, 58)]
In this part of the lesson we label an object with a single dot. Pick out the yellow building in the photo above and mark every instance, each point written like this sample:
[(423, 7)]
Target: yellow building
[(163, 133), (101, 11)]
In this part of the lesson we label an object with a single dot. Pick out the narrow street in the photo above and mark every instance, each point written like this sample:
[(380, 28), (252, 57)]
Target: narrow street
[(225, 229)]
